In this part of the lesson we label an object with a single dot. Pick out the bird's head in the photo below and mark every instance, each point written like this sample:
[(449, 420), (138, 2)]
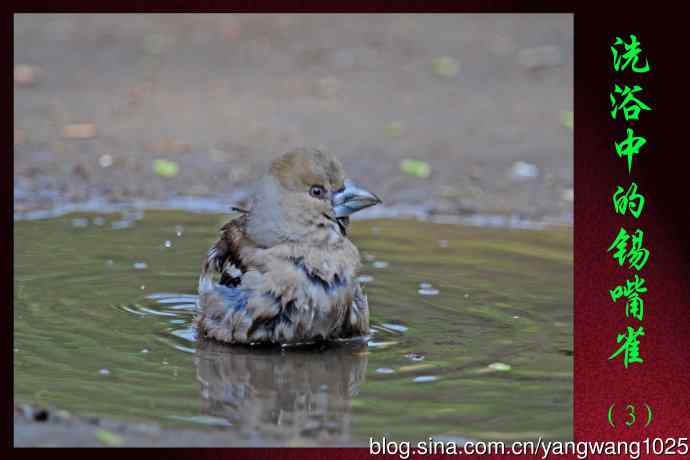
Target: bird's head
[(304, 190)]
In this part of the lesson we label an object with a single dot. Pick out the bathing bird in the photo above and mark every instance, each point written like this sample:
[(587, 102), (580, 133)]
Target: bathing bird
[(284, 271)]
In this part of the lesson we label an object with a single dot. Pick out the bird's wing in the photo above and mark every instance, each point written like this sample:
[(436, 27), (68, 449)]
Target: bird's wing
[(219, 308), (224, 256), (222, 305)]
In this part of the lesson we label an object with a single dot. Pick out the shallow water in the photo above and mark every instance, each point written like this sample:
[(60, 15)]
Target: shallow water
[(472, 334)]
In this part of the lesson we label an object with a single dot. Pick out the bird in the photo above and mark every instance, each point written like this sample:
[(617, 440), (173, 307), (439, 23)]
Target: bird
[(286, 269)]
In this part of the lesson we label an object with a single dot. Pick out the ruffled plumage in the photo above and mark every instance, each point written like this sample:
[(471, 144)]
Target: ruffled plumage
[(287, 271)]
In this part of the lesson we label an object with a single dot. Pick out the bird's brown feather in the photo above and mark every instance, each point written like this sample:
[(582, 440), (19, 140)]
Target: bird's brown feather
[(298, 289)]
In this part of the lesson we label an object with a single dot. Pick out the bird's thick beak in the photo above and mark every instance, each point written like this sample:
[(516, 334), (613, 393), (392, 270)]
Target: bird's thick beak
[(351, 199)]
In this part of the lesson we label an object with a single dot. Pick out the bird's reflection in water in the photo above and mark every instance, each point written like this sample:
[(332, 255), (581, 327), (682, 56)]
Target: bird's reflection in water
[(289, 396)]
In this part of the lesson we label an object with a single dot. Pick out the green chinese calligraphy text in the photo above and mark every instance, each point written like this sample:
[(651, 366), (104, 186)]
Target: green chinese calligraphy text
[(628, 200), (630, 347), (631, 291), (629, 146), (629, 54), (630, 105), (636, 256)]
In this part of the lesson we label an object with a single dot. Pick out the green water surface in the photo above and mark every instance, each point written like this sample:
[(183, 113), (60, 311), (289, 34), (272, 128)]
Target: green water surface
[(472, 334)]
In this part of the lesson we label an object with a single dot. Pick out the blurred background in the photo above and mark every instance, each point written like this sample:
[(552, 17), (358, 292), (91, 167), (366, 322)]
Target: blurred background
[(448, 115)]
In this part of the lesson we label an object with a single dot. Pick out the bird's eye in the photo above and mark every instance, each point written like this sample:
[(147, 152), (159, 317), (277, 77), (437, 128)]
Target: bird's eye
[(317, 191)]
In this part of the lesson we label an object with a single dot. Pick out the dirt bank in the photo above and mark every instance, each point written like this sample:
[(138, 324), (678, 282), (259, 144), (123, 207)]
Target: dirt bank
[(485, 100), (44, 427)]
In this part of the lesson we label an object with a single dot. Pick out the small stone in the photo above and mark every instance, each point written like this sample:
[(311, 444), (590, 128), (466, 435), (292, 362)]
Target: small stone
[(26, 76), (167, 244), (140, 266), (79, 131), (231, 30), (415, 356), (170, 146), (501, 367), (522, 171), (428, 291), (105, 161)]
